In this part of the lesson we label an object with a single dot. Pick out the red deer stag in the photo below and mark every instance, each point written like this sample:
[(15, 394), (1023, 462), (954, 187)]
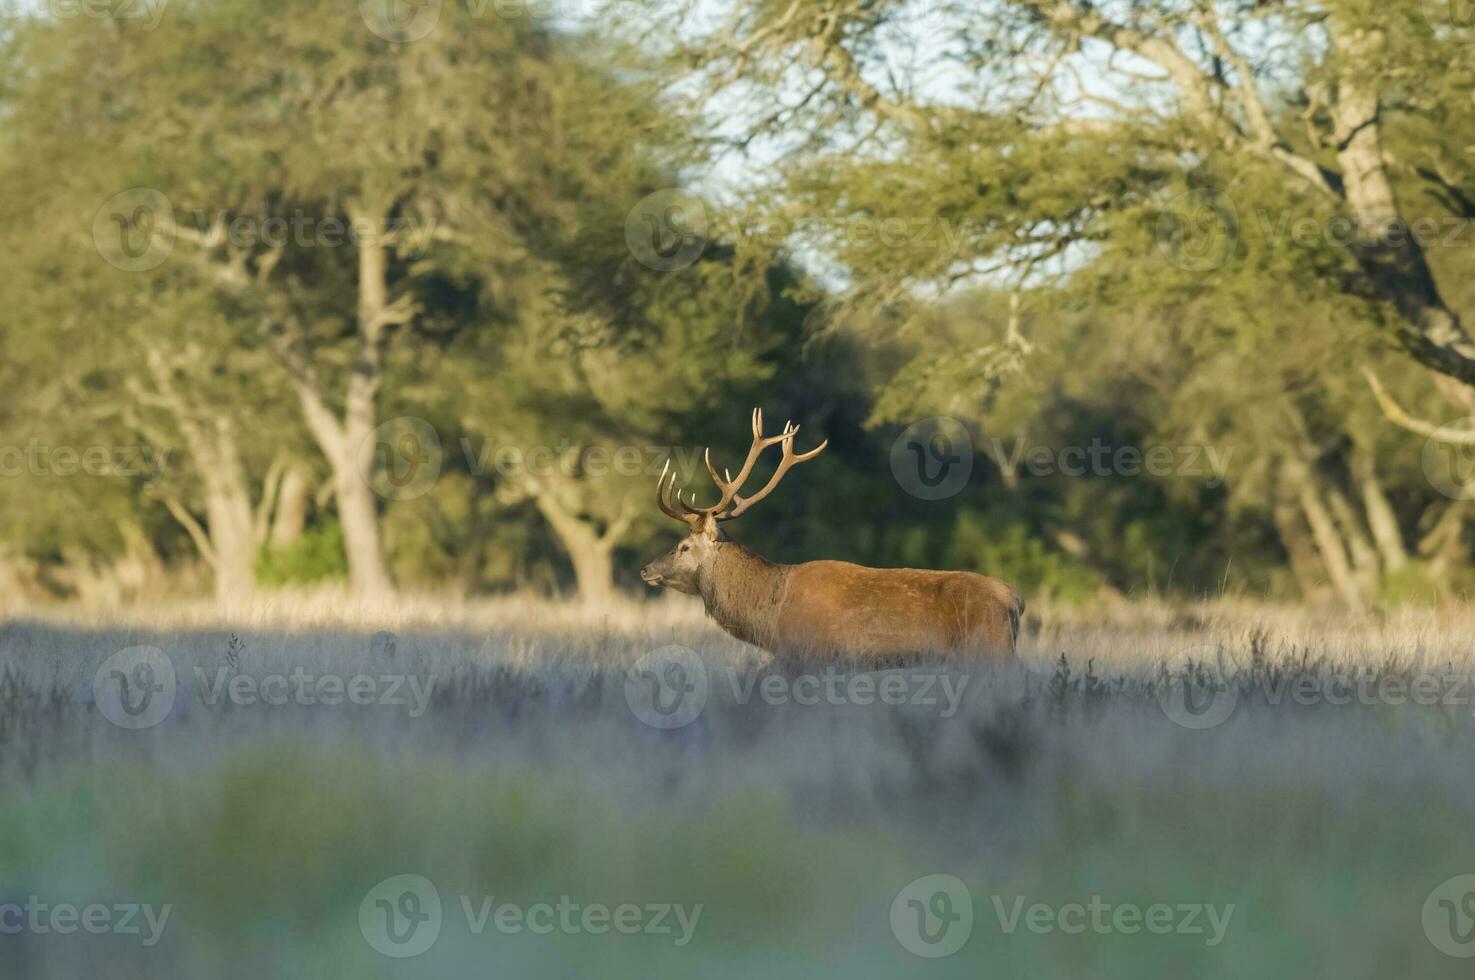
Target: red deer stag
[(824, 608)]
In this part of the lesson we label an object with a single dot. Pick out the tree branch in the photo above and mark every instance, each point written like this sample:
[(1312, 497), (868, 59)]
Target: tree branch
[(196, 532), (1395, 414)]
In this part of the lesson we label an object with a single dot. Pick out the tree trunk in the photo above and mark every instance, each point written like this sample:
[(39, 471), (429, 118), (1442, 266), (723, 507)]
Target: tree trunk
[(289, 518), (229, 513), (1388, 253), (1305, 565), (1323, 531), (473, 557), (591, 553), (368, 575), (594, 569), (367, 570), (343, 440), (1444, 545), (229, 516), (1365, 566), (229, 540), (1380, 516)]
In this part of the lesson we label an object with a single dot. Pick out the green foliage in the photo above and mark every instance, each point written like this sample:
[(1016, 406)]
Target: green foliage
[(1042, 274), (1412, 585), (1015, 553), (315, 556)]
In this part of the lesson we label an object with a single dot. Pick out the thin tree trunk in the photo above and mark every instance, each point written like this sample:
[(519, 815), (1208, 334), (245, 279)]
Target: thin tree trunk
[(357, 508), (1443, 545), (358, 514), (1323, 531), (289, 518), (1380, 516), (474, 554), (342, 440), (1305, 565), (228, 540), (228, 514), (1365, 565)]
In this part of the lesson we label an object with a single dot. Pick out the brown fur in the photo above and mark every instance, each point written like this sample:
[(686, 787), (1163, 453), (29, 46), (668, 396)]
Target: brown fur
[(837, 609), (824, 608)]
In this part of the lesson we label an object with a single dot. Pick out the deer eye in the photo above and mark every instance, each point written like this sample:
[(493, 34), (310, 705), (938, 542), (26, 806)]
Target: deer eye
[(686, 547)]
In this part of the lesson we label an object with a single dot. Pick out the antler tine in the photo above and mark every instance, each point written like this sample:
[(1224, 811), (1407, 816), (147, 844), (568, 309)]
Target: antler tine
[(730, 486), (665, 487), (789, 459)]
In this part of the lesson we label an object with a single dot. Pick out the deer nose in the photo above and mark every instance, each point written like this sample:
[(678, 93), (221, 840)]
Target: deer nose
[(649, 576)]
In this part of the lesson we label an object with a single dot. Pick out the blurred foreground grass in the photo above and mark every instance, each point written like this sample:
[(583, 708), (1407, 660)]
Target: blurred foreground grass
[(530, 778)]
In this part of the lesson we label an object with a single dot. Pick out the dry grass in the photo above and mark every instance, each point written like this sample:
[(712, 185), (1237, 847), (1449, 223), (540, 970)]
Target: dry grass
[(1125, 636), (530, 776)]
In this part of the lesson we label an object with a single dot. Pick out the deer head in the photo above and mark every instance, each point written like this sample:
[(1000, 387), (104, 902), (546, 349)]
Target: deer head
[(684, 567)]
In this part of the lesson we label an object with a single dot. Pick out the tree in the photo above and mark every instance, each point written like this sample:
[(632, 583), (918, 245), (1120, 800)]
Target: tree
[(334, 193), (1304, 93)]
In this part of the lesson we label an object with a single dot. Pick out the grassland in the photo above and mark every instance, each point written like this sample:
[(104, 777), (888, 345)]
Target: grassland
[(529, 770)]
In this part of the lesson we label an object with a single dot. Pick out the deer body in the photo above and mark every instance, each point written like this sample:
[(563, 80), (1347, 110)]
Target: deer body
[(839, 609), (826, 608)]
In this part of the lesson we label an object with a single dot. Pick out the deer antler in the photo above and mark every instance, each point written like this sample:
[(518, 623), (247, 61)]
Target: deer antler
[(730, 505)]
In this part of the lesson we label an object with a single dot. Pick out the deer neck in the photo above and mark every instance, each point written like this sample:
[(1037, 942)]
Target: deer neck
[(742, 592)]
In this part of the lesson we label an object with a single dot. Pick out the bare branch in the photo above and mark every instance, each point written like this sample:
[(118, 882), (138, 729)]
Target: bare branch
[(196, 532), (1395, 414)]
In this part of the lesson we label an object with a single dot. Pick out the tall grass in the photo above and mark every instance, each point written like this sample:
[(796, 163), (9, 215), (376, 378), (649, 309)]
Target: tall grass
[(530, 777)]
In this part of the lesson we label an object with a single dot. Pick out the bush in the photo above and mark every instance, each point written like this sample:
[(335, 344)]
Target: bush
[(317, 555)]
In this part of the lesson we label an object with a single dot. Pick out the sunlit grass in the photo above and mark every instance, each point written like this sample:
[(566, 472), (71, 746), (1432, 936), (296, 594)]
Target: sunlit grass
[(530, 777)]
